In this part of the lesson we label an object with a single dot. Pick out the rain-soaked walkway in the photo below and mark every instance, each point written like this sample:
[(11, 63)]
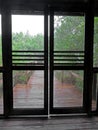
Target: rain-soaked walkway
[(31, 95)]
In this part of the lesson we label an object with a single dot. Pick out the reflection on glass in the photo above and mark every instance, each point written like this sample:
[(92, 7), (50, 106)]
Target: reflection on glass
[(69, 33), (28, 89), (68, 88), (1, 94)]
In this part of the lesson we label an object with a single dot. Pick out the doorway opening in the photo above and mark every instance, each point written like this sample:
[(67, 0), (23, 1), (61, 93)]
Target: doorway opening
[(47, 66)]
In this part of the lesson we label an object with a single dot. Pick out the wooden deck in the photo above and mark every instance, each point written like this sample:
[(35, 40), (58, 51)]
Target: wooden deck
[(67, 95), (31, 95), (72, 123)]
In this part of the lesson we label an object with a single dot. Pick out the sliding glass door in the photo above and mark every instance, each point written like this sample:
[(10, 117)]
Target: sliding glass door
[(68, 63), (29, 63), (46, 60)]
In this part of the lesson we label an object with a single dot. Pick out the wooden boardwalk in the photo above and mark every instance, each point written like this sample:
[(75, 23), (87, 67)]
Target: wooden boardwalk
[(31, 95), (66, 95)]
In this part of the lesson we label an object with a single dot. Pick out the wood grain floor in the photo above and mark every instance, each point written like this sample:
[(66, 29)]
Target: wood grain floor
[(50, 124)]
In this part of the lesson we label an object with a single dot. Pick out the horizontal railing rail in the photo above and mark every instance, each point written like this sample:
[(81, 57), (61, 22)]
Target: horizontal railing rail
[(68, 52), (71, 58), (68, 58), (21, 51), (27, 58)]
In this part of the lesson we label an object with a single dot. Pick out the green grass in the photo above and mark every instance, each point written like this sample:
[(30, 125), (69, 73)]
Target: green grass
[(21, 77), (68, 77)]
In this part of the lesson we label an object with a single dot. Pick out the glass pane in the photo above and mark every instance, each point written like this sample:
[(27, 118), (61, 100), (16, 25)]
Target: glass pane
[(28, 32), (69, 33), (28, 89), (0, 44), (68, 88), (94, 91), (95, 59), (1, 94), (27, 40)]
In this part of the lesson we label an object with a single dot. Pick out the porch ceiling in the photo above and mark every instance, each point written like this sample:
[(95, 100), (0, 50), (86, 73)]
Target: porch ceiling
[(41, 4)]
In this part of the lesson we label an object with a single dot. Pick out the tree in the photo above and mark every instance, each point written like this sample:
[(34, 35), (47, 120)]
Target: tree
[(22, 41), (69, 33), (96, 41)]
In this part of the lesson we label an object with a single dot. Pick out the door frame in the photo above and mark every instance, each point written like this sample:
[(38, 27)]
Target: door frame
[(7, 65), (8, 68), (88, 63)]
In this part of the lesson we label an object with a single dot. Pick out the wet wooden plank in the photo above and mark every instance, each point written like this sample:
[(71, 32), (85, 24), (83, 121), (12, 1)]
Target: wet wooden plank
[(31, 95), (50, 124)]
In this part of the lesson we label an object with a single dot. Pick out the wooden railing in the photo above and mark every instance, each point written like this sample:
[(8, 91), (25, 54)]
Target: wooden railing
[(27, 58), (68, 58)]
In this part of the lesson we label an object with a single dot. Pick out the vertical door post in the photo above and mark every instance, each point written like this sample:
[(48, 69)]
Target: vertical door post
[(7, 61), (88, 79)]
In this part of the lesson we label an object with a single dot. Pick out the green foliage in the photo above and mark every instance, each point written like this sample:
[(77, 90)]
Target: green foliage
[(22, 41), (21, 77), (65, 77), (96, 41), (79, 84), (69, 33), (71, 77)]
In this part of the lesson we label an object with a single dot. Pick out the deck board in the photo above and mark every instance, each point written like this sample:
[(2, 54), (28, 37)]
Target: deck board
[(50, 124), (31, 95)]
